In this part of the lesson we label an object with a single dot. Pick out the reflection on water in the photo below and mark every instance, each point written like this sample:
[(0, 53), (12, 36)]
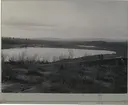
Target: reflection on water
[(51, 54)]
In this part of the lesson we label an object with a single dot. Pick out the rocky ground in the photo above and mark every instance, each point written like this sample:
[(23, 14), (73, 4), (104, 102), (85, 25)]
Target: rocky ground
[(108, 76)]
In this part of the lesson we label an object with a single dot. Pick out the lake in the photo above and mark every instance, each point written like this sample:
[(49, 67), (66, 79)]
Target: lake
[(49, 54)]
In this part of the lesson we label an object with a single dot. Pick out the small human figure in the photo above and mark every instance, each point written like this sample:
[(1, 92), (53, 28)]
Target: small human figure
[(98, 56), (102, 57), (61, 67)]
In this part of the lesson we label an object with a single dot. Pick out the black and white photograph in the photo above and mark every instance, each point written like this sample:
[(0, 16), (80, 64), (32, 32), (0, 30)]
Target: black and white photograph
[(64, 46)]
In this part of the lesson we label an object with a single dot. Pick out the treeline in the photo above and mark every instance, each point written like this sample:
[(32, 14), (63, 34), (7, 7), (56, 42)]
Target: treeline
[(11, 40)]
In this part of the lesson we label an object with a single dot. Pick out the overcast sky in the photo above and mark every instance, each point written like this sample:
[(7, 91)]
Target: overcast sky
[(66, 19)]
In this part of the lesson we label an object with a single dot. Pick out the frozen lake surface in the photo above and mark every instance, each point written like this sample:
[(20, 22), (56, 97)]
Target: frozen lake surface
[(50, 54)]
